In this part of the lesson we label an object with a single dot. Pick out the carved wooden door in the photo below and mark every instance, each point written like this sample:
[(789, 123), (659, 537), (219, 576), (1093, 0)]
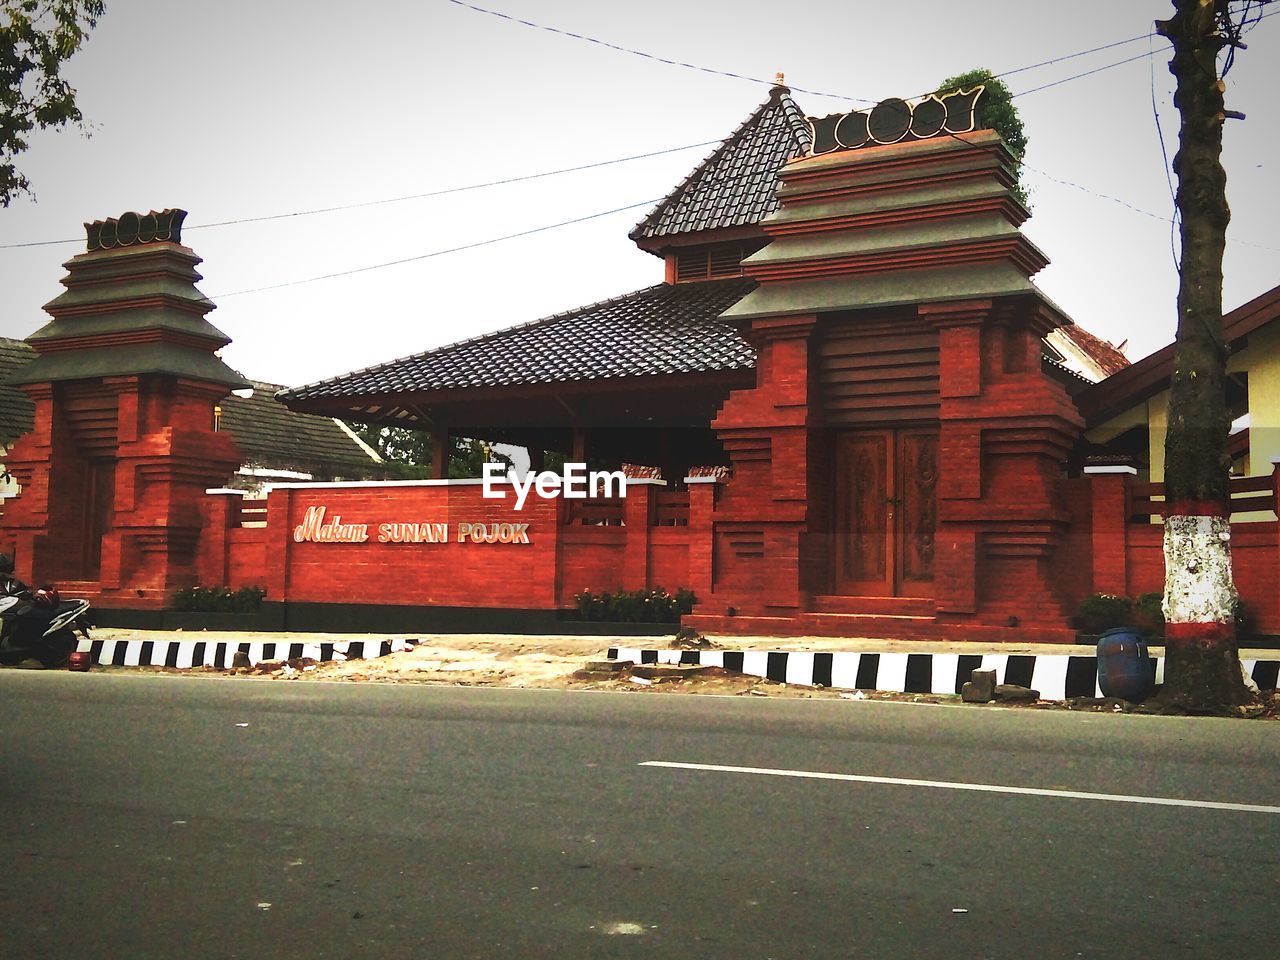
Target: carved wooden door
[(886, 513), (100, 488)]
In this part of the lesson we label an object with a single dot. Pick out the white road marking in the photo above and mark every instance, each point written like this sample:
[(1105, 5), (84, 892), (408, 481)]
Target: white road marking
[(978, 787), (622, 928)]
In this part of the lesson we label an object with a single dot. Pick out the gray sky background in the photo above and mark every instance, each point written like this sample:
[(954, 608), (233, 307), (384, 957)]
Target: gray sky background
[(243, 109)]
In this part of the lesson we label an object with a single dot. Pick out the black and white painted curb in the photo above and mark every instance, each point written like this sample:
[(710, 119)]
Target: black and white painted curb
[(1057, 677), (185, 654)]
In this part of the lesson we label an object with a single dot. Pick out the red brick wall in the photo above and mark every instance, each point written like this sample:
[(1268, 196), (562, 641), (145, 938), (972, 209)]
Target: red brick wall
[(1127, 559), (1255, 553), (591, 558), (560, 560), (246, 558), (442, 574), (669, 558), (1255, 556)]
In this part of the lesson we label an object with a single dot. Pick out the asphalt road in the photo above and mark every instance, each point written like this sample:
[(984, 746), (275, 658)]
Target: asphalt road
[(148, 817)]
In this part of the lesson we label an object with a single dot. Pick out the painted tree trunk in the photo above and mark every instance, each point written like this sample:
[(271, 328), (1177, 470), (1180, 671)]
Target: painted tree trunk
[(1202, 667)]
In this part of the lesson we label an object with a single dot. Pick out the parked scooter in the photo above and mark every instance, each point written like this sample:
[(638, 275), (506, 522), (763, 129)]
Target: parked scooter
[(37, 624)]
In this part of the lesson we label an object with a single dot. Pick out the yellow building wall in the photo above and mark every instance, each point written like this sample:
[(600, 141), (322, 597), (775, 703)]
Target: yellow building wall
[(1261, 360), (1157, 426)]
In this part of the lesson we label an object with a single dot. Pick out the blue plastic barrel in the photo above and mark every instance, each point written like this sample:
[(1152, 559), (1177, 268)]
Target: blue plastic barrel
[(1125, 669)]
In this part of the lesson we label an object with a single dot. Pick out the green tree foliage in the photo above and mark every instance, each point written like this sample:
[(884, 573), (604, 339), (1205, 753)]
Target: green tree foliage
[(408, 452), (995, 112), (36, 38)]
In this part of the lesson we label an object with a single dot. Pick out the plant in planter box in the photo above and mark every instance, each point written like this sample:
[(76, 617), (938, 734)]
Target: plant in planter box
[(1102, 611), (218, 599), (634, 606), (1148, 614)]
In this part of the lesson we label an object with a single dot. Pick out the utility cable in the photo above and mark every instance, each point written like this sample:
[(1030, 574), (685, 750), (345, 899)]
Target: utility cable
[(1087, 73), (509, 180), (1168, 174), (739, 76), (1151, 53), (413, 196), (434, 253), (647, 56)]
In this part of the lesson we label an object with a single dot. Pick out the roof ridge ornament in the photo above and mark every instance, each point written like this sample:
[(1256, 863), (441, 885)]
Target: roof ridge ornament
[(895, 120), (132, 229)]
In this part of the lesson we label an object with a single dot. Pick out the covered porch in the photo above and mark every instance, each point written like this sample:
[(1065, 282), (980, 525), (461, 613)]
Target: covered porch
[(635, 380)]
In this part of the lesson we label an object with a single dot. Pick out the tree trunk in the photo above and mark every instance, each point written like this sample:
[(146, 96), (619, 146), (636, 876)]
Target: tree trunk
[(1202, 665)]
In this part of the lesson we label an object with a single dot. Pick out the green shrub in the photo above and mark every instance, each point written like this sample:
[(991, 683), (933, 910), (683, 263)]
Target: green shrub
[(1102, 611), (635, 606), (219, 599), (1148, 613)]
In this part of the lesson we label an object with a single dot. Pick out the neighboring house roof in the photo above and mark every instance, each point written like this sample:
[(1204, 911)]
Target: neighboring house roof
[(736, 185), (268, 433), (1082, 353), (16, 411), (1151, 374), (663, 329)]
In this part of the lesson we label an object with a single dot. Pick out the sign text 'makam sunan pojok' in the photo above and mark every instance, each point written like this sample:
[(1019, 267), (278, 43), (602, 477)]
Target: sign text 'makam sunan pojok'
[(315, 528)]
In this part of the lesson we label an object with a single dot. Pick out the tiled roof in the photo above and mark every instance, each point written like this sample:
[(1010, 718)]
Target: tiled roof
[(1102, 352), (736, 185), (267, 432), (16, 411), (1150, 375), (665, 329)]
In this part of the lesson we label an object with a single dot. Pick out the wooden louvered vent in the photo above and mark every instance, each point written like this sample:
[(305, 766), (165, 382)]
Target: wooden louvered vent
[(711, 263), (878, 371)]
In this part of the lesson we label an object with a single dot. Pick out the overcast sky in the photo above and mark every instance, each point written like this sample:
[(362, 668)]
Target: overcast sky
[(242, 109)]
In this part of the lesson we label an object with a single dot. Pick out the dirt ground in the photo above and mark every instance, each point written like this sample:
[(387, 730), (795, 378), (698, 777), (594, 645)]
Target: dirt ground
[(562, 663), (532, 661)]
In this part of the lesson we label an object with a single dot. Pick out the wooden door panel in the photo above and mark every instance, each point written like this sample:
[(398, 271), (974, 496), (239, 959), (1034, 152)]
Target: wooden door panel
[(100, 482), (917, 494), (864, 547), (886, 513)]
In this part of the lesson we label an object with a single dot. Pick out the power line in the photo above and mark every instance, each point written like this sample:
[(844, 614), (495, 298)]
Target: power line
[(1136, 209), (413, 196), (647, 56), (1073, 56), (1118, 63), (1168, 175), (602, 163), (472, 186), (434, 253), (818, 93), (1087, 73)]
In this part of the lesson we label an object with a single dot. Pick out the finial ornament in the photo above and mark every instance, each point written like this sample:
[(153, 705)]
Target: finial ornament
[(131, 229), (893, 120)]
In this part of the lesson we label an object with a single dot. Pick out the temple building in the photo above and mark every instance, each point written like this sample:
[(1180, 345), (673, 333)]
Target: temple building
[(846, 409), (855, 335)]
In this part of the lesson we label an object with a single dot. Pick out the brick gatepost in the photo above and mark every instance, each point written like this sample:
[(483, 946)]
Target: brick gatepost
[(895, 306), (125, 439)]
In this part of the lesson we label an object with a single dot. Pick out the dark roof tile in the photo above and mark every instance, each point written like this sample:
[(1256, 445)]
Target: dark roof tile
[(16, 411), (664, 329), (735, 185)]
